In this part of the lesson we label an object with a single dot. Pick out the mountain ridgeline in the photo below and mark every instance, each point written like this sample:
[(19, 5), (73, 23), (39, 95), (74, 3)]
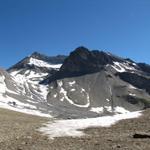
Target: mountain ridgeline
[(84, 84), (82, 61)]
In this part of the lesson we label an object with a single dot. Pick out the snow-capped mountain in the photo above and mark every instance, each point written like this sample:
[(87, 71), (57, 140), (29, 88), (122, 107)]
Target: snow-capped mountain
[(32, 70), (36, 67), (84, 84), (21, 83)]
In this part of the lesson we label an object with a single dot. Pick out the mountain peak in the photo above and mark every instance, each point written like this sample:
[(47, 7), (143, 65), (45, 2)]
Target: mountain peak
[(81, 49), (35, 53), (84, 61), (50, 59), (37, 58), (38, 55)]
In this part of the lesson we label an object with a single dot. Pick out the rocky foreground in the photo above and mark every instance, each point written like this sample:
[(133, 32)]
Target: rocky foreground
[(19, 132)]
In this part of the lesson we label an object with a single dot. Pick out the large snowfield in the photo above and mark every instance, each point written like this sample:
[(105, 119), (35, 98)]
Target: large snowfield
[(73, 127)]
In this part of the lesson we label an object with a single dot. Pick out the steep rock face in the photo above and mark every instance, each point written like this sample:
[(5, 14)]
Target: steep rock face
[(144, 67), (138, 81), (82, 61)]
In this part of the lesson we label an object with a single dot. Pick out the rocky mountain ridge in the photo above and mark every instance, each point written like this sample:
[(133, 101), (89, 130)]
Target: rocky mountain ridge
[(84, 84)]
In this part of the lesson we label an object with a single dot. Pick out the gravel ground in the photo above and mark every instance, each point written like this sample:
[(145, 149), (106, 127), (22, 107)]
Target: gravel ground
[(19, 132)]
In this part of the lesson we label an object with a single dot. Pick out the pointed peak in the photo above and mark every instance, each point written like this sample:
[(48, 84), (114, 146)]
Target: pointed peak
[(80, 52), (81, 49), (37, 55)]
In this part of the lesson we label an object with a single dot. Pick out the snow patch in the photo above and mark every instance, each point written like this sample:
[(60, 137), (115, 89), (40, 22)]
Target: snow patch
[(2, 85), (65, 96), (72, 90), (55, 95), (97, 109), (131, 94), (62, 99), (73, 127), (121, 110), (33, 74), (43, 91), (60, 83), (7, 102), (127, 66), (41, 63), (116, 110), (134, 64), (108, 100), (117, 66), (122, 67), (132, 87), (14, 73), (12, 92), (72, 83), (82, 90), (28, 81), (20, 79)]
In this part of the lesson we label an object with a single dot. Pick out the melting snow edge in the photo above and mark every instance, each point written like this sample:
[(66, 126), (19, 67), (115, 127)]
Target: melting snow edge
[(73, 127)]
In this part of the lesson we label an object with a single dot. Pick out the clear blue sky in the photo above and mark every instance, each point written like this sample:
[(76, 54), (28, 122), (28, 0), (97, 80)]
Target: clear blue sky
[(59, 26)]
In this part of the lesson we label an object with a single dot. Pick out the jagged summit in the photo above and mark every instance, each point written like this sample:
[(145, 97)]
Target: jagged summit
[(50, 59), (144, 67), (84, 61), (38, 60), (80, 50), (36, 67)]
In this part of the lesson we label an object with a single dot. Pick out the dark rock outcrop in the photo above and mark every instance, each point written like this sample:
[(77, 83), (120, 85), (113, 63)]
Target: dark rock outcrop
[(83, 61), (136, 80), (144, 67), (141, 135)]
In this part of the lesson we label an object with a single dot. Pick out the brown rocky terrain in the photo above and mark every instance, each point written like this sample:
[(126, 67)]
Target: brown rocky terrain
[(19, 132)]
